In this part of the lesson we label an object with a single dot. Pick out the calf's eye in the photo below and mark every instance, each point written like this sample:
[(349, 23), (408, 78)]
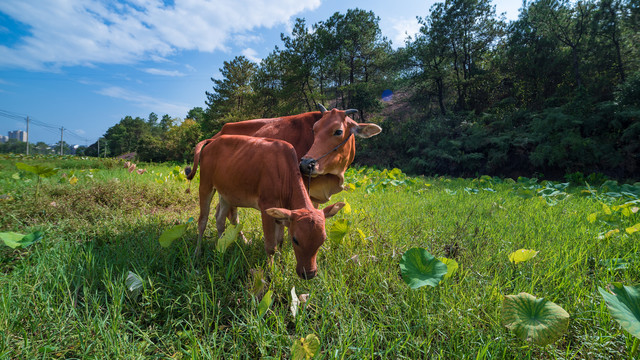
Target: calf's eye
[(338, 132), (295, 241)]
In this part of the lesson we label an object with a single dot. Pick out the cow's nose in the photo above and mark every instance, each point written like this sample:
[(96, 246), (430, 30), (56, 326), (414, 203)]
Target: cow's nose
[(307, 165), (307, 275)]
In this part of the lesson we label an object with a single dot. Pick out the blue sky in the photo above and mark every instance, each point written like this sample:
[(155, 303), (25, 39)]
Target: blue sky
[(85, 64)]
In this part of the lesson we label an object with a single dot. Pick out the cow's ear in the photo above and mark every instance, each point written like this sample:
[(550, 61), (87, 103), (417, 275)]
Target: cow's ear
[(364, 130), (279, 213), (331, 210)]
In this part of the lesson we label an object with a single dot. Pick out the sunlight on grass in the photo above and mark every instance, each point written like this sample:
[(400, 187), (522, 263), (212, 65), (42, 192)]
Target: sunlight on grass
[(69, 295)]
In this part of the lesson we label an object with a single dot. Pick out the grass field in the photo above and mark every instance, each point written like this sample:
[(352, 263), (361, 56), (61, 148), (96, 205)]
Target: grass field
[(66, 296)]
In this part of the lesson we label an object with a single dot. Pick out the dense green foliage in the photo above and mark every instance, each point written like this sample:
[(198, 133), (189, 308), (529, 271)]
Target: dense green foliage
[(555, 92), (99, 284)]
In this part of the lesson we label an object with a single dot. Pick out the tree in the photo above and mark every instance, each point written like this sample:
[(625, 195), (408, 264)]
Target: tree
[(181, 139), (428, 58), (124, 137), (197, 114), (355, 57), (230, 99), (531, 61), (567, 24), (297, 60)]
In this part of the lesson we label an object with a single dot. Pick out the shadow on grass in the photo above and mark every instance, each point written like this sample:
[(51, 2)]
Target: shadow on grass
[(176, 289)]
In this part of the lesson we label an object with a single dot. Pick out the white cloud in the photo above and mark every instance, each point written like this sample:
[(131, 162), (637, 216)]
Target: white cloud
[(251, 54), (145, 102), (401, 29), (85, 32), (172, 73), (244, 39)]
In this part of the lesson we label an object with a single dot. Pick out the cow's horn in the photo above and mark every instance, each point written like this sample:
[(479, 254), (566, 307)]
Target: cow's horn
[(351, 111), (322, 108)]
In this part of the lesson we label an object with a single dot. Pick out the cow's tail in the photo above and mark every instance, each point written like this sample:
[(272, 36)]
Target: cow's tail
[(191, 172)]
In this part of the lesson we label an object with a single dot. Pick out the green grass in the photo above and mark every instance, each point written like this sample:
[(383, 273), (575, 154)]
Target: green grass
[(65, 296)]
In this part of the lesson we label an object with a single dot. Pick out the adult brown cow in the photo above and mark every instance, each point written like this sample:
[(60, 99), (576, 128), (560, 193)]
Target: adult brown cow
[(263, 174), (322, 139)]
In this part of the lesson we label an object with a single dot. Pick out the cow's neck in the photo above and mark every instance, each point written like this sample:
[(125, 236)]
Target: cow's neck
[(299, 197)]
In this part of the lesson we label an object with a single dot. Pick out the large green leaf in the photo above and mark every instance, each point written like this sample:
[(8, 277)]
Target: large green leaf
[(452, 266), (522, 255), (633, 229), (258, 282), (228, 237), (419, 268), (169, 236), (305, 348), (338, 230), (265, 303), (42, 171), (624, 305), (538, 321), (16, 240)]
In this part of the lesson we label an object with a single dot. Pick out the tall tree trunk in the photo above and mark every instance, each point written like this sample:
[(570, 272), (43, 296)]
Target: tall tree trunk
[(576, 66), (440, 87)]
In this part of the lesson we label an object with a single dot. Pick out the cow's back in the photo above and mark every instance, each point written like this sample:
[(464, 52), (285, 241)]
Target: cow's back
[(246, 170), (297, 130)]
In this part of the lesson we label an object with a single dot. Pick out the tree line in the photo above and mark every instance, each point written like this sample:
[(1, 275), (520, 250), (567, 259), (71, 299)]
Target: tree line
[(554, 92)]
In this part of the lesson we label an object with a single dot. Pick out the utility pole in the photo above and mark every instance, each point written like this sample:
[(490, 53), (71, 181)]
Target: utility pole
[(61, 136), (27, 135), (98, 147)]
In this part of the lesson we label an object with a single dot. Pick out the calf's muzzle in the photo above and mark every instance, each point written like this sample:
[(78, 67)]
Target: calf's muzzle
[(307, 274)]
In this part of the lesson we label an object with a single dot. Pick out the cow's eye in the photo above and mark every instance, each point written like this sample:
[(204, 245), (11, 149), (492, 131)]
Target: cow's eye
[(338, 132), (295, 241)]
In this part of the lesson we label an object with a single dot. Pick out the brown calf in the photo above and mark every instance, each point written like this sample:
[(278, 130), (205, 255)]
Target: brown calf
[(262, 174)]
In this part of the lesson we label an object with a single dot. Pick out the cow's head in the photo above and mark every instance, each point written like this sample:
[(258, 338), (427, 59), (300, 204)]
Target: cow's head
[(307, 234), (333, 146)]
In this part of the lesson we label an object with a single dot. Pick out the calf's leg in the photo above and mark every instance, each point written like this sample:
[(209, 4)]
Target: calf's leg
[(222, 212), (270, 236), (206, 194)]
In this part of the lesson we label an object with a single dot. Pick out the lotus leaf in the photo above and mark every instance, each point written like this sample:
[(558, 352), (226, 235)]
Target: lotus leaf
[(305, 348), (452, 266), (538, 321), (624, 304), (522, 255), (419, 268)]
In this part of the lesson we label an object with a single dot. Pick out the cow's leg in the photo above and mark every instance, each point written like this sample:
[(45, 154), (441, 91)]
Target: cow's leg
[(206, 194), (222, 212)]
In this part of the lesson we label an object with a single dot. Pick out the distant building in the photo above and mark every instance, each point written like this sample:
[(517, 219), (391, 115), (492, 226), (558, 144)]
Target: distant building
[(4, 139), (18, 134)]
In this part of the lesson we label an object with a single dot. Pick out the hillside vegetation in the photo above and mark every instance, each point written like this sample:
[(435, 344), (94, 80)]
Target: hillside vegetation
[(555, 92)]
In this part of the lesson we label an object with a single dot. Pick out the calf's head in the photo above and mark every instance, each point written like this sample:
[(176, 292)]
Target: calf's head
[(333, 146), (307, 234)]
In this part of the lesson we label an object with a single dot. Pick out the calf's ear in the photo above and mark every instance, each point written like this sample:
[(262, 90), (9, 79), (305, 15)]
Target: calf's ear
[(331, 210), (279, 213), (364, 130)]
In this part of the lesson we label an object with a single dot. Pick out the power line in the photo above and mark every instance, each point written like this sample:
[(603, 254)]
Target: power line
[(10, 115), (40, 123), (47, 127)]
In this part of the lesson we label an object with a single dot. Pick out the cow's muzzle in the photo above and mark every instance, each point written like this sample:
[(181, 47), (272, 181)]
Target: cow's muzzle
[(307, 274), (308, 166)]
